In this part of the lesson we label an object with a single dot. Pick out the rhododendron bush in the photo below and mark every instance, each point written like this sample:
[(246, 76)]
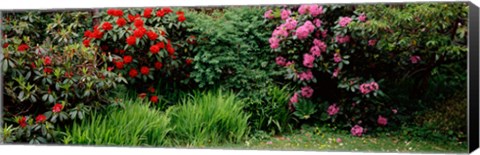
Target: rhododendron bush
[(337, 56), (49, 83), (144, 45)]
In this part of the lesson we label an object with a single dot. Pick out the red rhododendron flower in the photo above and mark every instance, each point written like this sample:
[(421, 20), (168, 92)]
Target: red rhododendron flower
[(23, 121), (147, 13), (121, 51), (133, 73), (40, 118), (23, 47), (170, 49), (151, 89), (119, 65), (181, 18), (167, 10), (5, 45), (131, 40), (152, 35), (138, 22), (48, 70), (33, 65), (121, 22), (47, 60), (86, 42), (115, 12), (144, 70), (163, 33), (57, 108), (107, 26), (97, 34), (160, 13), (180, 13), (127, 59), (68, 74), (87, 34), (154, 99), (154, 49), (139, 32), (188, 61), (158, 65), (161, 45)]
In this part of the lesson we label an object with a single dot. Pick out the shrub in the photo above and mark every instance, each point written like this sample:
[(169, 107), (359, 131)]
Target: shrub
[(49, 79), (144, 45), (135, 125), (338, 56), (232, 49), (269, 109), (209, 119)]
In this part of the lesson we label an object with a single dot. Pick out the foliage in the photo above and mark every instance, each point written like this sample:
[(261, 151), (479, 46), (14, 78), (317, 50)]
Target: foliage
[(208, 118), (269, 109), (232, 49), (135, 125)]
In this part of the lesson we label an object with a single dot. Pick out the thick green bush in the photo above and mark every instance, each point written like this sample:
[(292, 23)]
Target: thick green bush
[(232, 49), (209, 118), (137, 124)]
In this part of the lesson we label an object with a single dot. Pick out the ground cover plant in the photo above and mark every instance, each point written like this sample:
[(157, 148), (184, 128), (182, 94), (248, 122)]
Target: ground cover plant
[(377, 77)]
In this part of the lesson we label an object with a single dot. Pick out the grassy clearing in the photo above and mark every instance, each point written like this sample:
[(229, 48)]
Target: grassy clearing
[(313, 139)]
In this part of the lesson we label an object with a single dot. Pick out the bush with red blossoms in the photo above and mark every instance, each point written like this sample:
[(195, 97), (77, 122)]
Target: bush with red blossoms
[(50, 80), (144, 45)]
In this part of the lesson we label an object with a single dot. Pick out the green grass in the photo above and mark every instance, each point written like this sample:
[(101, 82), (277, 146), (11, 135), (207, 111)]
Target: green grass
[(136, 125), (207, 119), (315, 139)]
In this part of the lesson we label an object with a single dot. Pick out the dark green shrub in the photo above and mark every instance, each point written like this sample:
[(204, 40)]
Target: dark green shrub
[(208, 118), (232, 49), (135, 125)]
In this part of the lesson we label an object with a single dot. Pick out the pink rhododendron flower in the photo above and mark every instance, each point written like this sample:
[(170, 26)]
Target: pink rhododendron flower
[(343, 39), (344, 21), (362, 17), (315, 51), (373, 86), (290, 24), (414, 59), (365, 88), (302, 32), (357, 130), (306, 76), (315, 10), (324, 34), (317, 22), (274, 42), (309, 25), (335, 73), (303, 9), (382, 120), (337, 58), (320, 44), (280, 32), (268, 14), (372, 42), (333, 109), (307, 92), (285, 14), (281, 61), (294, 98), (289, 63), (308, 60)]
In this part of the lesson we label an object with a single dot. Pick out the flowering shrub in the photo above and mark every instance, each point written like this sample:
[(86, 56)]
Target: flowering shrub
[(335, 52), (49, 83), (144, 45)]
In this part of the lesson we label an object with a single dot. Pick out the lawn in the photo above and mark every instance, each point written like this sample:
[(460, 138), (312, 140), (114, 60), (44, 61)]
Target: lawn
[(314, 139)]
